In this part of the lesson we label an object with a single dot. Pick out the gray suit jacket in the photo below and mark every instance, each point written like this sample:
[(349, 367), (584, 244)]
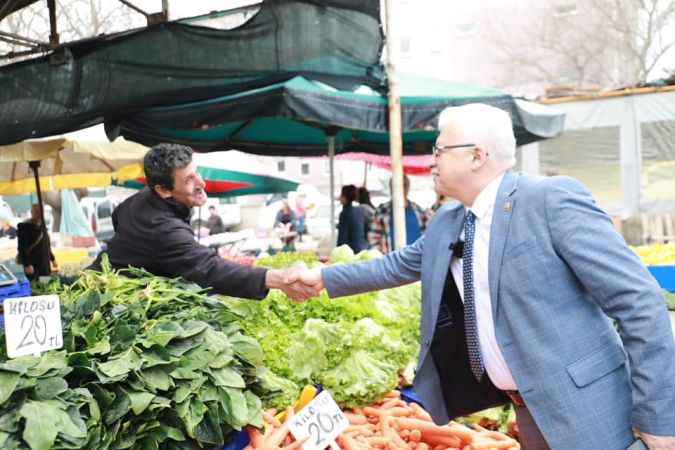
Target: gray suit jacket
[(558, 273)]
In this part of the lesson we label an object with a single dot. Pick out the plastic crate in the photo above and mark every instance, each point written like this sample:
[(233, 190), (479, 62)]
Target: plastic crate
[(19, 289), (665, 275), (238, 442)]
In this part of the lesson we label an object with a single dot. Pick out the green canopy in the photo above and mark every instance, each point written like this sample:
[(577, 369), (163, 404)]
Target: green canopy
[(294, 117), (79, 83)]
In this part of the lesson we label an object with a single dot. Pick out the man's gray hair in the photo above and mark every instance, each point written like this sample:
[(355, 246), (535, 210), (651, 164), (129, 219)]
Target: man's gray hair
[(488, 127)]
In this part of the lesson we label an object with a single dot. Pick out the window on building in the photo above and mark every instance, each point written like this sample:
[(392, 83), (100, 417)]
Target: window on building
[(281, 166), (304, 168), (566, 9)]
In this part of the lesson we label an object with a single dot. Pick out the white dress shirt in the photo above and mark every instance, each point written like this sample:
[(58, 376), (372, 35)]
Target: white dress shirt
[(493, 360)]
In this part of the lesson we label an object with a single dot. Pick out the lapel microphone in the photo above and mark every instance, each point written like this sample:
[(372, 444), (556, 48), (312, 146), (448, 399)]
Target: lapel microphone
[(457, 249)]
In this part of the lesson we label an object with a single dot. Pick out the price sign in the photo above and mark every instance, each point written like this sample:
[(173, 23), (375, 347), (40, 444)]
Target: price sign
[(321, 421), (32, 325)]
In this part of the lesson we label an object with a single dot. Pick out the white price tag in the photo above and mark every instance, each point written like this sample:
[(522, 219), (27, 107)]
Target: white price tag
[(32, 325), (321, 420)]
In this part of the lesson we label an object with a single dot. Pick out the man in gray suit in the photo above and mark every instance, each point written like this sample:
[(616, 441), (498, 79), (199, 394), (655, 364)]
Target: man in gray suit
[(529, 295)]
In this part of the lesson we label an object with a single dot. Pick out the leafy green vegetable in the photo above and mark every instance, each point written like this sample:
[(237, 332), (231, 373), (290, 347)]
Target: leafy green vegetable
[(147, 362), (353, 346)]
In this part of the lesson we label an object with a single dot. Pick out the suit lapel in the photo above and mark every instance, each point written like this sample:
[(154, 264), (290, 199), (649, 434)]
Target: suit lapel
[(499, 230), (452, 230)]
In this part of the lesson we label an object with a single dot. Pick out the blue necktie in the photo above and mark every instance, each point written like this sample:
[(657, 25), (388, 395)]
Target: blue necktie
[(470, 326)]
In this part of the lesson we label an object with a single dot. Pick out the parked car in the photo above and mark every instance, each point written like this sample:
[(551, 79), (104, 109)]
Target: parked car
[(98, 211)]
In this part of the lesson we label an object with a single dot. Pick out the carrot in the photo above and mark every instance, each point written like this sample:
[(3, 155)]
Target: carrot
[(445, 441), (377, 440), (461, 431), (422, 425), (388, 432), (491, 444), (269, 418), (288, 440), (391, 403), (399, 411), (371, 411), (278, 435), (356, 419), (359, 429), (420, 412), (255, 437), (296, 445), (348, 443)]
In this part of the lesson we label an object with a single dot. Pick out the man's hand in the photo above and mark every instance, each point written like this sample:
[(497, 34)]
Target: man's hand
[(289, 281), (307, 277), (657, 442), (29, 270)]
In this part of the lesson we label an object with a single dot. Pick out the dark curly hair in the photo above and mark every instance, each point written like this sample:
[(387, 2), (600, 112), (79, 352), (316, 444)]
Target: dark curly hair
[(162, 160)]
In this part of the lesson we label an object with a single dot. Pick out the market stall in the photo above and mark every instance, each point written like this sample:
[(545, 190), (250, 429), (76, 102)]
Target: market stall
[(149, 362)]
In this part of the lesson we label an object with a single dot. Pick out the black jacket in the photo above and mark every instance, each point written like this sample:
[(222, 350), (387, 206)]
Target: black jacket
[(34, 249), (155, 234)]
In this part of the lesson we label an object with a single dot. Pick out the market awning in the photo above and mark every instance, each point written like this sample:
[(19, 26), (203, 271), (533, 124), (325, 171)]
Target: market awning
[(76, 85), (293, 118), (68, 164)]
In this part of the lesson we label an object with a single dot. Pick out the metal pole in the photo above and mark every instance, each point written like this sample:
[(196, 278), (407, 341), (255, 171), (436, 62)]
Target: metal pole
[(395, 137), (331, 163), (35, 165), (165, 9), (53, 35)]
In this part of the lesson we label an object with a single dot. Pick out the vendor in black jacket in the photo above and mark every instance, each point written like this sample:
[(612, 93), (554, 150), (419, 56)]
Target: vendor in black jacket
[(152, 231)]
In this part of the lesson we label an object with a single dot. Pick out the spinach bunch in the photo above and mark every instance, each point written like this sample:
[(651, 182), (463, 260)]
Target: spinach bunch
[(148, 362)]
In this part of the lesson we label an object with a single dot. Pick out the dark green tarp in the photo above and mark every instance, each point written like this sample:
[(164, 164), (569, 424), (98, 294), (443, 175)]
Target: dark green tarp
[(293, 118), (337, 41)]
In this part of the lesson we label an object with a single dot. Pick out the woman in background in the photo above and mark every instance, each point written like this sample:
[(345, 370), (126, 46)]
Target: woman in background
[(352, 223)]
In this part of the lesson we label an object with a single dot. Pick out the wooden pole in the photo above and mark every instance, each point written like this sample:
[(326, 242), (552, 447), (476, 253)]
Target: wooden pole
[(395, 135), (331, 163)]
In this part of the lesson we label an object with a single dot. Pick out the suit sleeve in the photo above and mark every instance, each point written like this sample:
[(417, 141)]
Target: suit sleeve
[(182, 255), (394, 269), (584, 237)]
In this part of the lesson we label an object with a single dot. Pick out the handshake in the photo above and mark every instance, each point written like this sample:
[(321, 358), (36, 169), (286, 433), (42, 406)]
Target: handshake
[(298, 282)]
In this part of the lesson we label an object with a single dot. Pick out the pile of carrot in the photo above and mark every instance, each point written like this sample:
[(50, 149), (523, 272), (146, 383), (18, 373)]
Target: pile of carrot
[(390, 424)]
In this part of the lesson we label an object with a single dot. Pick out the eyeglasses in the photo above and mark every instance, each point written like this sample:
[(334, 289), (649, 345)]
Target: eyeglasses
[(440, 150)]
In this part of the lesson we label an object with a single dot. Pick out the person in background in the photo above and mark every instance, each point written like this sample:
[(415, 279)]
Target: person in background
[(215, 222), (34, 249), (366, 205), (381, 235), (6, 229), (440, 201), (287, 220), (301, 214), (351, 223)]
